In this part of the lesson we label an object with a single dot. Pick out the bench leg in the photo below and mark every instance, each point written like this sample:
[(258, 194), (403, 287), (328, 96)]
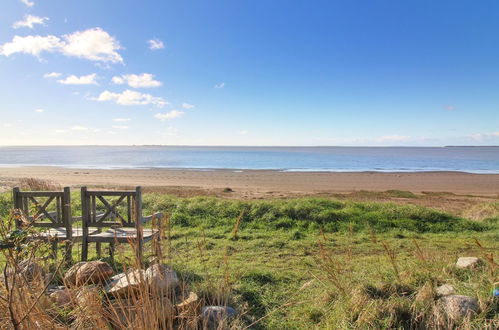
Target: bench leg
[(98, 250), (84, 250), (54, 249), (112, 247), (69, 253)]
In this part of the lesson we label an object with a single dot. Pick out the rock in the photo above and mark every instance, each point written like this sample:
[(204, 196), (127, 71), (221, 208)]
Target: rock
[(445, 290), (161, 279), (215, 317), (93, 272), (70, 276), (126, 284), (62, 298), (190, 307), (458, 307), (467, 262)]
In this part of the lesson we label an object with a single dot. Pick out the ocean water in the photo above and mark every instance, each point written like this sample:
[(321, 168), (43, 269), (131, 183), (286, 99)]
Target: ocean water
[(383, 159)]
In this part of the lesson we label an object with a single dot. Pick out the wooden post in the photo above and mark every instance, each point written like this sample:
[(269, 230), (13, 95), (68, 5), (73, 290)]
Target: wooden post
[(138, 224), (17, 203), (68, 223), (85, 215)]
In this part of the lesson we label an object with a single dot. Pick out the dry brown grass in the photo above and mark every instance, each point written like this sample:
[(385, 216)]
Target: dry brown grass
[(34, 184)]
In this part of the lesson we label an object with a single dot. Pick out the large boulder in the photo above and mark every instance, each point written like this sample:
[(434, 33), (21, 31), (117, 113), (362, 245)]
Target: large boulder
[(127, 284), (467, 262), (93, 272), (457, 307), (161, 279), (70, 276), (217, 317)]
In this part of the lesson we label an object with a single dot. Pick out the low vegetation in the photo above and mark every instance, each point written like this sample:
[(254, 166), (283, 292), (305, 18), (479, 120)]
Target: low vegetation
[(318, 263)]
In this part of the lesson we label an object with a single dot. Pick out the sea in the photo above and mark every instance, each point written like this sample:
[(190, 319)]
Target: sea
[(315, 159)]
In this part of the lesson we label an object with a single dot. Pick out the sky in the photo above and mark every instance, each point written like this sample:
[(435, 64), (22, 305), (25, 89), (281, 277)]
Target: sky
[(259, 72)]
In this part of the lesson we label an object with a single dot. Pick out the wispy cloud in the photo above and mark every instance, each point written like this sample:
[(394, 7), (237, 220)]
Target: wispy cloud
[(119, 127), (79, 128), (7, 125), (484, 136), (30, 21), (243, 132), (89, 79), (28, 3), (129, 97), (221, 85), (155, 44), (187, 106), (169, 115), (92, 44), (144, 80), (121, 120), (39, 110), (52, 75)]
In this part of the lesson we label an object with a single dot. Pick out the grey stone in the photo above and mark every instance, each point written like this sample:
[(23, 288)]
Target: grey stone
[(445, 290), (467, 262), (126, 284), (161, 279), (214, 316), (458, 307)]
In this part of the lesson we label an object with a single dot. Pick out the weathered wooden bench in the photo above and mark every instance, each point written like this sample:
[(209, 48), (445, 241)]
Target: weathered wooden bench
[(51, 211), (121, 222)]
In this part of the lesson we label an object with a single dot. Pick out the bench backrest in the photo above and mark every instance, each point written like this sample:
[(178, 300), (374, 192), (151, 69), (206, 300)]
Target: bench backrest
[(111, 208), (46, 209)]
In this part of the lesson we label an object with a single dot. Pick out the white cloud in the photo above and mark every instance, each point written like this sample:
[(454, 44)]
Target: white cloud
[(130, 97), (155, 44), (28, 3), (119, 127), (144, 80), (92, 44), (60, 131), (221, 85), (79, 128), (243, 132), (484, 136), (171, 131), (33, 45), (30, 21), (121, 120), (52, 75), (39, 110), (169, 115), (187, 106), (82, 80), (7, 125)]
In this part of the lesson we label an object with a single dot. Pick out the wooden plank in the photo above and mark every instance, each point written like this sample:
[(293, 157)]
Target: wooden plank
[(41, 209), (111, 209), (110, 193), (40, 193), (85, 220)]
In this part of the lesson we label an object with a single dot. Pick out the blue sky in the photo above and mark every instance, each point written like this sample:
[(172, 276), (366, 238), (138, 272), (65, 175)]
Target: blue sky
[(249, 72)]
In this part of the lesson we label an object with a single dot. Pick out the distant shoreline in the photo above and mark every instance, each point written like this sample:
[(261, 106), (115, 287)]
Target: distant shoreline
[(261, 182)]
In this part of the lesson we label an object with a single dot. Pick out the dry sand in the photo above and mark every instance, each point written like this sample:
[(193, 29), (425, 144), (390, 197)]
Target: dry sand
[(251, 183)]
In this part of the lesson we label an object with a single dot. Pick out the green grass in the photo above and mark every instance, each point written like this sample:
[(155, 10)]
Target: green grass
[(320, 263)]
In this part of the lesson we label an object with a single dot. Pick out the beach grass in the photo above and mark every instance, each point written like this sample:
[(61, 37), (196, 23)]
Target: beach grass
[(324, 263)]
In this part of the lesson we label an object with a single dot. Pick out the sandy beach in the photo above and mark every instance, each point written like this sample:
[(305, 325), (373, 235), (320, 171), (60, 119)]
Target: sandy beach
[(260, 182)]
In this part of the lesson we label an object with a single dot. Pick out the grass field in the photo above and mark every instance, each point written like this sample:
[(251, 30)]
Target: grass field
[(325, 263)]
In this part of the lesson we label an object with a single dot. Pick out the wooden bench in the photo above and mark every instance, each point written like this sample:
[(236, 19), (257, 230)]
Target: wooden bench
[(121, 222), (51, 211)]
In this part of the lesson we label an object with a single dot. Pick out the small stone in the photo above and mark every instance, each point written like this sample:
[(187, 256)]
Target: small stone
[(458, 307), (93, 272), (70, 276), (467, 262), (126, 284), (62, 298), (189, 307), (215, 317), (445, 290), (161, 279)]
